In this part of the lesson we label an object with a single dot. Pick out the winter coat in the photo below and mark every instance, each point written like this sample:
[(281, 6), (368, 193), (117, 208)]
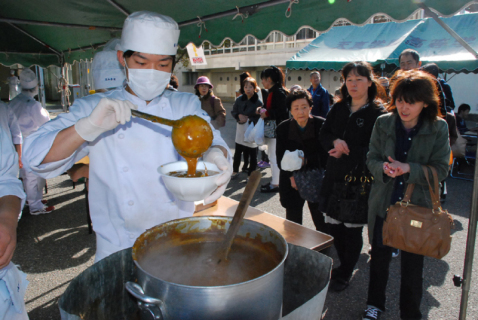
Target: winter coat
[(278, 110), (213, 106), (355, 129), (290, 137), (430, 146)]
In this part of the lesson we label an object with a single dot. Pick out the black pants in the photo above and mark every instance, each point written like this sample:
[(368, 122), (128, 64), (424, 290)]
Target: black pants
[(411, 277), (348, 242), (250, 158), (295, 215)]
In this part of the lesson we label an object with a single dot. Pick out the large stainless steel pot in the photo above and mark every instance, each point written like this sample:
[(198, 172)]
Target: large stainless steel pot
[(260, 298)]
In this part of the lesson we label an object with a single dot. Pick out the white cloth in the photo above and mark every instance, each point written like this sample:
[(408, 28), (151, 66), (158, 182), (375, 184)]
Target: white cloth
[(126, 194), (271, 152), (13, 285), (240, 131), (106, 69), (29, 112), (150, 32), (292, 161)]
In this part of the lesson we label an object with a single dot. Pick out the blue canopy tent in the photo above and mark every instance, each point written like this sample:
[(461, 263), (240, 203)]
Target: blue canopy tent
[(379, 43)]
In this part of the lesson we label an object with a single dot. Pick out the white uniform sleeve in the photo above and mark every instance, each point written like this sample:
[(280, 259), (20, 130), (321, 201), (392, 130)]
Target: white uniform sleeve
[(38, 144), (14, 128), (9, 183), (40, 115)]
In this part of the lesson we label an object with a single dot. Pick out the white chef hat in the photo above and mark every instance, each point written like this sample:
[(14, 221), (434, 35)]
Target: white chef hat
[(107, 71), (28, 79), (150, 32)]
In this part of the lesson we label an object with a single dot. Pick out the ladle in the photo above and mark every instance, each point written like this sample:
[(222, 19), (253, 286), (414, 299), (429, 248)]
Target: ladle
[(246, 198), (191, 136)]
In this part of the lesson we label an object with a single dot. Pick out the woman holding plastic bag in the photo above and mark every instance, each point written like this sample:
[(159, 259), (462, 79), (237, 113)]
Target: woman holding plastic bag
[(244, 111), (301, 159)]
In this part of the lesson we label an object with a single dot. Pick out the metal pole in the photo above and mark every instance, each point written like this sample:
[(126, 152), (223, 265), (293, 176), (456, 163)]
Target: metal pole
[(470, 245), (34, 38), (117, 6), (41, 88), (449, 30), (56, 24)]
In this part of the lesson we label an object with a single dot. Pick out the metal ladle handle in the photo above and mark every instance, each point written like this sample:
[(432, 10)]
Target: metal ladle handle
[(150, 117), (151, 308)]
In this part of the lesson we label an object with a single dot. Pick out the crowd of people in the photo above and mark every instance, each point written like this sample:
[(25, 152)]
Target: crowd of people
[(368, 140)]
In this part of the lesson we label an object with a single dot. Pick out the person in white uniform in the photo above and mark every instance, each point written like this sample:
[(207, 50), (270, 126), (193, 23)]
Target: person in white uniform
[(30, 116), (126, 193), (13, 282), (13, 83)]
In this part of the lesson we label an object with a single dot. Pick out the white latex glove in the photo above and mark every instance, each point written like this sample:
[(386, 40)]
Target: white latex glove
[(292, 161), (107, 115), (216, 156)]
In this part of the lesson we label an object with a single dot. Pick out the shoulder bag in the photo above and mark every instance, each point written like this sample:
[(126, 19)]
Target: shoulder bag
[(270, 128), (308, 183), (416, 229)]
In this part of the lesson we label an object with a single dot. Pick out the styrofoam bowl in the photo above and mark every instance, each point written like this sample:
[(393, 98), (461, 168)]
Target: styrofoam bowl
[(189, 189)]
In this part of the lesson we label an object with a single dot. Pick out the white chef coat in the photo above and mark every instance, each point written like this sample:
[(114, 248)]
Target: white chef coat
[(12, 124), (29, 112), (126, 193), (13, 83)]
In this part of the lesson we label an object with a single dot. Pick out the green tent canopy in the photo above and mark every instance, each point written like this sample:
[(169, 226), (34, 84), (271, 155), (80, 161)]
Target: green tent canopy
[(378, 43), (55, 31)]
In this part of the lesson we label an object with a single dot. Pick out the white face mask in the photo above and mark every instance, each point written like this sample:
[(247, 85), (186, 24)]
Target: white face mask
[(147, 84)]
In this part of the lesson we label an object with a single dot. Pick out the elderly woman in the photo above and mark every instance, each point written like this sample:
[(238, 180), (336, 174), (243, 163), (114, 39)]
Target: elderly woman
[(346, 135), (210, 103), (299, 133), (244, 111)]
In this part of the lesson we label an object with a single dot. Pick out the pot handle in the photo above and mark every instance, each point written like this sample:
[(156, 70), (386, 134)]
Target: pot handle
[(150, 307)]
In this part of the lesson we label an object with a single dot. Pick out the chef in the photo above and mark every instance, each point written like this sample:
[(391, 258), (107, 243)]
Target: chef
[(126, 193), (13, 282), (30, 116)]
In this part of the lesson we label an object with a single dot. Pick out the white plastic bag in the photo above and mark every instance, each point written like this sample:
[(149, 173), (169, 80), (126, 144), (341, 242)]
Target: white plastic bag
[(249, 134), (259, 132)]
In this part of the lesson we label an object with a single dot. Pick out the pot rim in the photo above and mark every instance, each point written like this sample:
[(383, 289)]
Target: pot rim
[(176, 221)]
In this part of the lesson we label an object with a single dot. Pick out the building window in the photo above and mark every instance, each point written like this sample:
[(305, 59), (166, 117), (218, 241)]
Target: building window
[(235, 78), (220, 78), (227, 79), (289, 78), (299, 78), (189, 78)]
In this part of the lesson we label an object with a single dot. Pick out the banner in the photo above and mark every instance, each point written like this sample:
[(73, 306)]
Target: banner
[(196, 55)]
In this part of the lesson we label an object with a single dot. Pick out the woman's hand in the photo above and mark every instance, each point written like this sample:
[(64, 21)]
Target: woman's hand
[(258, 110), (340, 148), (395, 168), (292, 182), (243, 118)]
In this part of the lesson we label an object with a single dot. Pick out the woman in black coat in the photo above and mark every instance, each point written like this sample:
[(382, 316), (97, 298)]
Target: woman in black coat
[(346, 135), (275, 110), (300, 133)]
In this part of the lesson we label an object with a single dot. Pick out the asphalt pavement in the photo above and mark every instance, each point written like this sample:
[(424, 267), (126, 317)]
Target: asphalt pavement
[(53, 249)]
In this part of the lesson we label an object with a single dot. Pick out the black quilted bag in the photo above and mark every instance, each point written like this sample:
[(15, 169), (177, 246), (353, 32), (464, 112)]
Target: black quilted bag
[(308, 183)]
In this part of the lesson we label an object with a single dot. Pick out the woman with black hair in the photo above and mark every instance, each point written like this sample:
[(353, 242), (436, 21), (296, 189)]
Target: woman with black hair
[(273, 113), (346, 135), (412, 135)]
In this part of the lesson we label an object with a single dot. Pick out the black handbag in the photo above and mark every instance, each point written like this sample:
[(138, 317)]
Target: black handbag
[(348, 201), (308, 183)]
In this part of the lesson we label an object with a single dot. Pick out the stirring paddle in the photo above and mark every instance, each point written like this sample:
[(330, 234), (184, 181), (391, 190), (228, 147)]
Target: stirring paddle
[(191, 136), (246, 198)]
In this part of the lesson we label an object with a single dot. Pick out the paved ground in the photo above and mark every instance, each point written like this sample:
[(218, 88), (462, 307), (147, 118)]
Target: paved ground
[(53, 249)]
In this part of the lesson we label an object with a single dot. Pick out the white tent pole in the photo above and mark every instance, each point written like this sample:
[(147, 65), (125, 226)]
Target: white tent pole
[(449, 30)]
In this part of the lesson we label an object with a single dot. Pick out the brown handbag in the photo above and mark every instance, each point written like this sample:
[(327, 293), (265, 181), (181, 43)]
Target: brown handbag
[(419, 230)]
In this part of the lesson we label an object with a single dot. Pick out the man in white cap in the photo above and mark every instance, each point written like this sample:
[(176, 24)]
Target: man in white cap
[(13, 83), (13, 282), (126, 194), (30, 116)]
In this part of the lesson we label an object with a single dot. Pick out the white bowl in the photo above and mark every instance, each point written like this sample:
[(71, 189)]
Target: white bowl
[(189, 189)]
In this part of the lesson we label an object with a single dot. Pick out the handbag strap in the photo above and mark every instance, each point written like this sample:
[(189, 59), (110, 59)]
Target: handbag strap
[(434, 192)]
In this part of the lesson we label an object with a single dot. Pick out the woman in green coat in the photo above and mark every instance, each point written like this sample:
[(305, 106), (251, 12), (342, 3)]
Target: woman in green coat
[(410, 136)]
